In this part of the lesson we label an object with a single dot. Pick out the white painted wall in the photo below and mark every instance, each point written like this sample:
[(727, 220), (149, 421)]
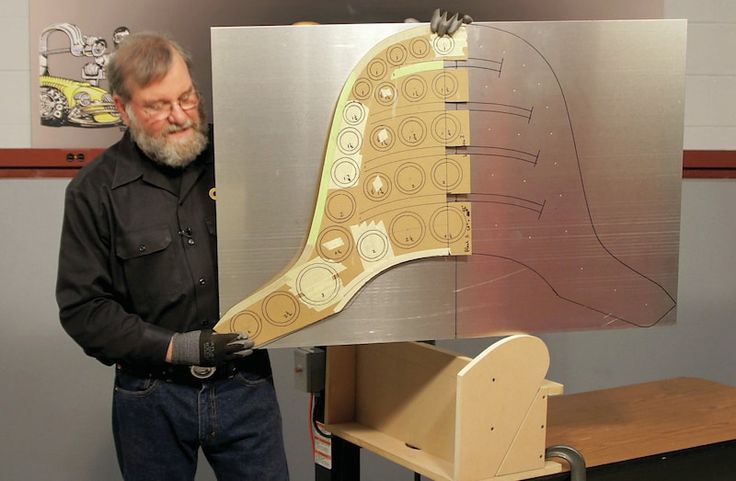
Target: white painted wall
[(15, 101), (54, 408), (710, 95)]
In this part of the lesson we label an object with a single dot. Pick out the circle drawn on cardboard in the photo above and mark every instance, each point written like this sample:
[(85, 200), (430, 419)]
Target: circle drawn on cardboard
[(419, 48), (353, 113), (318, 284), (410, 178), (280, 308), (447, 224), (445, 85), (373, 245), (362, 89), (382, 138), (349, 140), (445, 128), (248, 322), (407, 230), (412, 131), (396, 54), (446, 174), (340, 206), (377, 69), (414, 88), (386, 94), (443, 45), (335, 244), (345, 172), (377, 187)]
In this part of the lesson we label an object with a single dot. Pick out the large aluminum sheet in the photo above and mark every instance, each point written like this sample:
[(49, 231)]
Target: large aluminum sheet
[(576, 141)]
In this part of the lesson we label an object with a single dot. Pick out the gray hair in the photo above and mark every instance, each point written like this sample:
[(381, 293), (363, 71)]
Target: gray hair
[(142, 58)]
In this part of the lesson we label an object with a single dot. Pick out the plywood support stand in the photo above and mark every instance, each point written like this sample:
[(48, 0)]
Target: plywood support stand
[(445, 416)]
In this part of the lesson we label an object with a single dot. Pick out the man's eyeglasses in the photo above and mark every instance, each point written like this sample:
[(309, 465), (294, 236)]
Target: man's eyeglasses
[(162, 109)]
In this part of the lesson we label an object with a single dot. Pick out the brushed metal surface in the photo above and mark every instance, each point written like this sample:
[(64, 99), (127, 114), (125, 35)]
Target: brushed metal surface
[(576, 170), (592, 113)]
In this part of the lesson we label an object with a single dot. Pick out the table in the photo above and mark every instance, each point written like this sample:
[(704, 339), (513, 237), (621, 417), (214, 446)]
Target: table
[(674, 429)]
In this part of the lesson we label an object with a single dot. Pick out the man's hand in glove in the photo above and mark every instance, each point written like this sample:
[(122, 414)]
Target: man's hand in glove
[(208, 348), (441, 25)]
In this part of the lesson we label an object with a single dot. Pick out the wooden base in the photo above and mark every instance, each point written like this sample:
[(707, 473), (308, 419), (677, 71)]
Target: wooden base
[(445, 416)]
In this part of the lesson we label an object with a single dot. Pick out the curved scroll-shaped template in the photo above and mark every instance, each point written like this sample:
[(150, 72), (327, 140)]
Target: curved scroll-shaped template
[(387, 189)]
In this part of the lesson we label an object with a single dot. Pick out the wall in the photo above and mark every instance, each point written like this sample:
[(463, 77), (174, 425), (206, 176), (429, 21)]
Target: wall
[(15, 120), (55, 404)]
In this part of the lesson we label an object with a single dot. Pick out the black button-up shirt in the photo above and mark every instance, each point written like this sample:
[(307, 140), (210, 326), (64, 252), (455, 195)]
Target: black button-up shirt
[(138, 257)]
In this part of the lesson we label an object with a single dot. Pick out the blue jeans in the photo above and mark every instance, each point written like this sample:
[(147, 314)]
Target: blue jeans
[(160, 426)]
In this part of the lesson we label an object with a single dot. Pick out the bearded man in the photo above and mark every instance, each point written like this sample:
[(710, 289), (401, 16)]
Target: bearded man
[(137, 285)]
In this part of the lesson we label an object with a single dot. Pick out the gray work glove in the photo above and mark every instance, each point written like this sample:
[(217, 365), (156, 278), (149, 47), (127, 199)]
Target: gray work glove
[(209, 348), (441, 25)]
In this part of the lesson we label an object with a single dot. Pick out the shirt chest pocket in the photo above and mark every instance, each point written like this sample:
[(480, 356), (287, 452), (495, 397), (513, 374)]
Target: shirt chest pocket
[(151, 264)]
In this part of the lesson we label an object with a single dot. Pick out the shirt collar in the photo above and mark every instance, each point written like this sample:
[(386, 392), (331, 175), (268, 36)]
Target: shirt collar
[(132, 163)]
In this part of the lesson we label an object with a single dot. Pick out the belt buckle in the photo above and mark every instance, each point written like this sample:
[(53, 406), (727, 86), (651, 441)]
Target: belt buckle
[(201, 372)]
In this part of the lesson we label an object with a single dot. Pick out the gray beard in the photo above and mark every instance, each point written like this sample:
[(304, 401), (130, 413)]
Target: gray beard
[(160, 149)]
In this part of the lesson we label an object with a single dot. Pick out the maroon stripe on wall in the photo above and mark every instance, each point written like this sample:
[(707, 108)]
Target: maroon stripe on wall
[(20, 163), (709, 164)]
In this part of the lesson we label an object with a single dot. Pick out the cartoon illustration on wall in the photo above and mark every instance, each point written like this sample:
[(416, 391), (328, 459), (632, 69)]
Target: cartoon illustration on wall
[(77, 102)]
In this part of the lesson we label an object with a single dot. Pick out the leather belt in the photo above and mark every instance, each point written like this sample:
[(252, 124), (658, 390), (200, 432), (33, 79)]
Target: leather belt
[(192, 375)]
